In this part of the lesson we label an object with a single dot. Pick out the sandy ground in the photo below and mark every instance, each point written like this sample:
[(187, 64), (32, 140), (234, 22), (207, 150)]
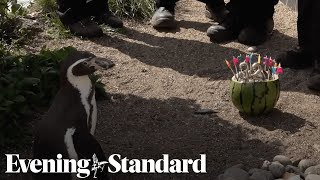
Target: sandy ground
[(161, 79)]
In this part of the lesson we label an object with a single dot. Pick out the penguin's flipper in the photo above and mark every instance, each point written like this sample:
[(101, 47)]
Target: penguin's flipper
[(86, 147)]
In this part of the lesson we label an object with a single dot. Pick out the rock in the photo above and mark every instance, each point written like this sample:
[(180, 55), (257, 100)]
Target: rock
[(241, 166), (277, 169), (293, 169), (305, 163), (312, 170), (259, 174), (265, 165), (313, 177), (234, 173), (252, 49), (296, 177), (287, 175), (283, 160)]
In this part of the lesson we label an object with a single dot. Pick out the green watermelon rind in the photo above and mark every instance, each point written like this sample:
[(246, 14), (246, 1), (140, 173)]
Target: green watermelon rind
[(255, 98)]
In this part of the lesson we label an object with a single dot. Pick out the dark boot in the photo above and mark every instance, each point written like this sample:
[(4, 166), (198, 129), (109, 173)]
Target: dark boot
[(163, 18), (85, 28), (314, 81), (216, 14), (297, 58), (109, 19), (228, 30), (256, 34)]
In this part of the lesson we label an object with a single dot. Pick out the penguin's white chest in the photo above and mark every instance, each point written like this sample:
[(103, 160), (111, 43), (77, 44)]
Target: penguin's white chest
[(84, 86)]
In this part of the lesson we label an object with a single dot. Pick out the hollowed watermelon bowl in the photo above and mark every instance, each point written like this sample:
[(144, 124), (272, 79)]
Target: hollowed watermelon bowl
[(255, 98)]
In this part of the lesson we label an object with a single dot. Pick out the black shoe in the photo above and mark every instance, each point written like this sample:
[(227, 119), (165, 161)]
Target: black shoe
[(254, 35), (295, 59), (109, 19), (217, 15), (163, 18), (86, 28), (228, 30)]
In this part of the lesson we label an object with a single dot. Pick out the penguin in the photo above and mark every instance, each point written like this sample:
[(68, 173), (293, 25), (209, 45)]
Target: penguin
[(68, 127)]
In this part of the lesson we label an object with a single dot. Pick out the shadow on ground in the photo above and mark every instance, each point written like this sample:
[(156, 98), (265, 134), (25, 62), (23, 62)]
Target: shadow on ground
[(277, 120), (147, 128), (193, 57)]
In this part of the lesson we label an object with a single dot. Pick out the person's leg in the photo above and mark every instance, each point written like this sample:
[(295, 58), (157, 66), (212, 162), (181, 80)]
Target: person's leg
[(164, 15), (168, 4), (248, 20), (259, 25), (215, 10), (74, 15), (314, 82), (71, 11), (100, 10), (301, 56)]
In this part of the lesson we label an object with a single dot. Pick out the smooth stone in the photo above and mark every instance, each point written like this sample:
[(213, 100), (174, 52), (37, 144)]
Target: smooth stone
[(296, 177), (261, 175), (313, 177), (252, 49), (277, 169), (293, 169), (265, 165), (313, 170), (287, 175), (284, 160), (234, 173), (241, 166), (305, 163)]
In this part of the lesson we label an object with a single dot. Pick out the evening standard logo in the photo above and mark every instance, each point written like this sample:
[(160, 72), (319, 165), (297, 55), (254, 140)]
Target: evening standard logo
[(83, 168)]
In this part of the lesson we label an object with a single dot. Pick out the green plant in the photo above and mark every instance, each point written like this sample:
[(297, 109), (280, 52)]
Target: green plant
[(28, 84), (136, 9), (12, 33)]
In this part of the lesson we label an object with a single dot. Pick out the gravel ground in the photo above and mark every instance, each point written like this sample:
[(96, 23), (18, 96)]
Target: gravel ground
[(162, 78)]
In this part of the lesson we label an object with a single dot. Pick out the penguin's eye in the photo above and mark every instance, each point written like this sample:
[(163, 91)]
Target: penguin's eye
[(85, 63)]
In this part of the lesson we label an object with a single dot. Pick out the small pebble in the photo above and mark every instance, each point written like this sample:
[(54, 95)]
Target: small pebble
[(313, 177), (283, 160), (252, 49), (305, 163), (265, 165), (277, 169)]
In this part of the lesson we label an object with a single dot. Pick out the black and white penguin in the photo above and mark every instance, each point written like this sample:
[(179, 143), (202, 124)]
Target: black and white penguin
[(69, 125)]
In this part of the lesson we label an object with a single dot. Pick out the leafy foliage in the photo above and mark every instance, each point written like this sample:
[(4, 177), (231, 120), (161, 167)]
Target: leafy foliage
[(12, 34), (27, 85)]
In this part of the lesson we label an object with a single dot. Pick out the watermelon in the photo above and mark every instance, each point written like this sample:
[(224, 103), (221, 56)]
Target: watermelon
[(255, 98)]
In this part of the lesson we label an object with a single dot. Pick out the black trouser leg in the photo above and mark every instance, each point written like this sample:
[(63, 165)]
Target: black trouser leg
[(305, 23), (168, 4), (315, 26), (72, 11), (214, 4), (252, 11)]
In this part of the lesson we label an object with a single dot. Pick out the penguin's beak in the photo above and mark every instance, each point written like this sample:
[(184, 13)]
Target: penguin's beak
[(99, 63)]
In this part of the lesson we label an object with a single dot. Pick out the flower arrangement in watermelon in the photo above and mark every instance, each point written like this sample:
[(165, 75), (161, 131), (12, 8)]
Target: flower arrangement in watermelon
[(255, 86)]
